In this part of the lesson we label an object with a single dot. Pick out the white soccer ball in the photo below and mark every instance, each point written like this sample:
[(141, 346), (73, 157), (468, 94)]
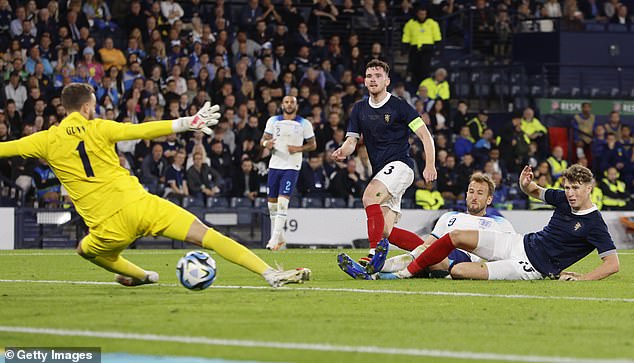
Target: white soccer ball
[(196, 270)]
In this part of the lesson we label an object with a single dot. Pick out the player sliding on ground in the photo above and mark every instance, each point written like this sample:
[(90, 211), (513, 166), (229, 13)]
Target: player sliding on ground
[(385, 121), (479, 196), (81, 152), (575, 229)]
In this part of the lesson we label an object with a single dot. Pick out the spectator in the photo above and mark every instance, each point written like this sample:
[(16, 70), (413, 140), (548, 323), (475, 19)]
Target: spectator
[(613, 154), (346, 182), (201, 179), (557, 163), (172, 11), (537, 204), (400, 92), (429, 198), (440, 122), (503, 33), (614, 125), (464, 170), (99, 16), (15, 91), (610, 7), (598, 146), (362, 162), (420, 34), (291, 17), (437, 87), (176, 179), (153, 170), (47, 186), (111, 56), (477, 125), (583, 129), (313, 181), (221, 159), (367, 18), (615, 196), (484, 26), (464, 143), (322, 11), (535, 130), (592, 10), (246, 180), (448, 180), (249, 14), (501, 193), (460, 116)]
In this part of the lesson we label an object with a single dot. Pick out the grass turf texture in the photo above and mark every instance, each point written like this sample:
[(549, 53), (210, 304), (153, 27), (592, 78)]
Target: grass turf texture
[(539, 327)]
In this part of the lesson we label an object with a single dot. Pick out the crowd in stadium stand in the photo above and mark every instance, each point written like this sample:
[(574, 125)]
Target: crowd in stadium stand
[(151, 60)]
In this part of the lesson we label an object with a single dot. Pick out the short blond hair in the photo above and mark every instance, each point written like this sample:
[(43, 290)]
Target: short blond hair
[(483, 178)]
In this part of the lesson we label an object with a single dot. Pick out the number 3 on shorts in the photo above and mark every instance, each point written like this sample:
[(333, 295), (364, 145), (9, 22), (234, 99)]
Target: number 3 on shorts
[(389, 171)]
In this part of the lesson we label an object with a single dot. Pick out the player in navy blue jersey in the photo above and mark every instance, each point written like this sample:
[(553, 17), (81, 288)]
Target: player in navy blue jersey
[(575, 229), (385, 122)]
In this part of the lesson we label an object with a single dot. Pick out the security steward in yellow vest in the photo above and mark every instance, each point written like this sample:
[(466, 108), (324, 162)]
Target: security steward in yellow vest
[(557, 163), (420, 33), (614, 195), (429, 198), (477, 124), (437, 87)]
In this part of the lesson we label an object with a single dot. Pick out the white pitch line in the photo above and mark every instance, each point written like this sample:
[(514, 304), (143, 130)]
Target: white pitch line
[(360, 291), (173, 252), (309, 346)]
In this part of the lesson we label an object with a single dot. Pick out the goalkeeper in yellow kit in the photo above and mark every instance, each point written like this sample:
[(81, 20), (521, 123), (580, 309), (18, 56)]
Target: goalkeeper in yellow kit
[(116, 208)]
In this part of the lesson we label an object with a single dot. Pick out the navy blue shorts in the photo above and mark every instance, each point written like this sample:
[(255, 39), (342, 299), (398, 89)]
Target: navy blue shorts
[(281, 182), (456, 256)]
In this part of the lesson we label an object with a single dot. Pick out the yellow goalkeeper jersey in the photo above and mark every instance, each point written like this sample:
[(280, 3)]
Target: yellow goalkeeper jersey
[(82, 154)]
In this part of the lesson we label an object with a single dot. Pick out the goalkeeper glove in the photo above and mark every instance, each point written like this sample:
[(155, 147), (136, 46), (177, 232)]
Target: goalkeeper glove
[(205, 117)]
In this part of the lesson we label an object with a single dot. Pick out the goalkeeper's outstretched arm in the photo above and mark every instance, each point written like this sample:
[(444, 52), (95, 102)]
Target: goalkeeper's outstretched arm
[(206, 117)]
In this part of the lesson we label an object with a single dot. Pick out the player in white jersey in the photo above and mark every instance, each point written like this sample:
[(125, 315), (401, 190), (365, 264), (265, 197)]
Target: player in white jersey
[(287, 136), (479, 196)]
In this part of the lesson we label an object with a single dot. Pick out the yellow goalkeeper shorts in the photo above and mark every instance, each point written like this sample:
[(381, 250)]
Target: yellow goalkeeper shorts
[(149, 216)]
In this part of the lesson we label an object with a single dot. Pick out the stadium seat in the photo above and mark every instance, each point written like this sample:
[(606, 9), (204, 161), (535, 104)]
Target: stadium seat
[(558, 136), (407, 203), (357, 203), (240, 202), (260, 203), (617, 28), (594, 27), (295, 203), (192, 202), (335, 203), (217, 202), (310, 202)]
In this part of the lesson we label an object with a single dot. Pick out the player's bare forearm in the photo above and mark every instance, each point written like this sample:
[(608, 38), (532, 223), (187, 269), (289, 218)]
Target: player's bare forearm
[(534, 190), (609, 267), (528, 186), (347, 148), (310, 145), (428, 143)]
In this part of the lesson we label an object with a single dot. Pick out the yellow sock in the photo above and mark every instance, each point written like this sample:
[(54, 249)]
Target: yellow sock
[(119, 265), (234, 252)]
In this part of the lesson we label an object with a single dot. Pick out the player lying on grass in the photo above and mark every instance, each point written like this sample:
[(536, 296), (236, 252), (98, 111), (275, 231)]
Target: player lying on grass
[(81, 152), (479, 196), (385, 122), (575, 229)]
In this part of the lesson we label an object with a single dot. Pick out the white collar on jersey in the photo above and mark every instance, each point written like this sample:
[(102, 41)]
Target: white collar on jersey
[(585, 211), (380, 104)]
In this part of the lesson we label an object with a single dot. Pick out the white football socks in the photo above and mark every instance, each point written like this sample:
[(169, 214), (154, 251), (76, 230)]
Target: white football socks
[(280, 219)]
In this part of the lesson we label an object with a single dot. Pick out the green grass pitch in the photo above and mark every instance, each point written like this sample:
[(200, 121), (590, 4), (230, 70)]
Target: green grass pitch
[(550, 319)]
